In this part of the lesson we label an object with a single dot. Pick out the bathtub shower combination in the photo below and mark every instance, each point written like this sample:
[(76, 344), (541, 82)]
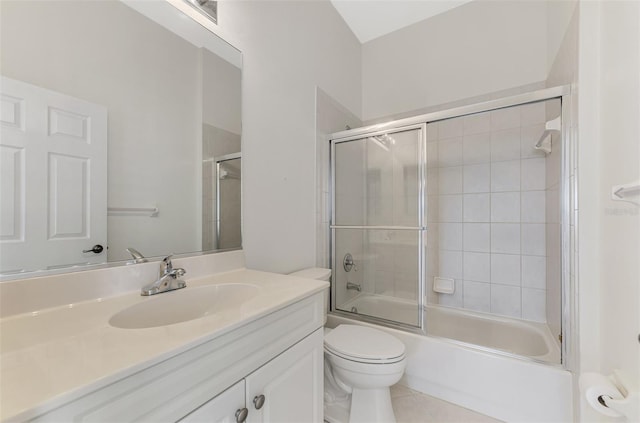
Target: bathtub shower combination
[(454, 225)]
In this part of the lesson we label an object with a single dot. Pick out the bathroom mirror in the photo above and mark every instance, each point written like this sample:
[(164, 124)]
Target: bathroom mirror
[(120, 129)]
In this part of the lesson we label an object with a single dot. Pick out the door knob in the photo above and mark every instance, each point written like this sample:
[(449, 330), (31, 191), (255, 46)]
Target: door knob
[(241, 415), (97, 249), (258, 401)]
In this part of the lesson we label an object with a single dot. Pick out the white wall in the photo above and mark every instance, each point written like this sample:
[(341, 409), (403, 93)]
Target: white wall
[(221, 80), (289, 48), (609, 154), (478, 48)]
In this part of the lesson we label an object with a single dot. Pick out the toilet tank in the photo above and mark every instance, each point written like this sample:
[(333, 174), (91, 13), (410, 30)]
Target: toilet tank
[(317, 273)]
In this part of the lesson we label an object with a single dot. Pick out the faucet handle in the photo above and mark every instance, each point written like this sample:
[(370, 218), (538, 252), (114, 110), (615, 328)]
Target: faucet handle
[(165, 265), (178, 273)]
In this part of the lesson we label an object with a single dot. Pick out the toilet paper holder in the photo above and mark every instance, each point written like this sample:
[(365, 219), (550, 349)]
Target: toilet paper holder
[(629, 406), (616, 401)]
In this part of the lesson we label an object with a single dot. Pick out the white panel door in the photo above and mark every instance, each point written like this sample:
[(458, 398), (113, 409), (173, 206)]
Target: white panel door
[(222, 409), (291, 383), (53, 198)]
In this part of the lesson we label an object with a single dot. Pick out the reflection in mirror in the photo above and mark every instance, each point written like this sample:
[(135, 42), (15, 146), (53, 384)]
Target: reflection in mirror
[(114, 116)]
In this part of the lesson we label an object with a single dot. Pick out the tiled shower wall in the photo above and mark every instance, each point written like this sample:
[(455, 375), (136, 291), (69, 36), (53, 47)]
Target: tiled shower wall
[(486, 211)]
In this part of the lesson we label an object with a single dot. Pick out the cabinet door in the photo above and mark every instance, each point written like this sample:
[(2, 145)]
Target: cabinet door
[(221, 409), (292, 385)]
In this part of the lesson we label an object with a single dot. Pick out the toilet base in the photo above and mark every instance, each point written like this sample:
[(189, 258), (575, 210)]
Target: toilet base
[(363, 406), (371, 406), (337, 411)]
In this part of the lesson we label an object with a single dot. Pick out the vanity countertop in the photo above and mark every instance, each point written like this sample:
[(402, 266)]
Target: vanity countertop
[(51, 356)]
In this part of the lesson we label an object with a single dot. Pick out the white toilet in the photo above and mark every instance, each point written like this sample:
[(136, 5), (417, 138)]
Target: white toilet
[(361, 363)]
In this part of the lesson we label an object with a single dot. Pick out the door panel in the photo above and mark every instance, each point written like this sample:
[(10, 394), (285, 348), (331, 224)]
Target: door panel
[(221, 409), (53, 153), (292, 385)]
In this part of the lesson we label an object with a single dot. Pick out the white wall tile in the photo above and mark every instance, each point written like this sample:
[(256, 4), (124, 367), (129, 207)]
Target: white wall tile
[(505, 118), (477, 267), (450, 180), (505, 176), (533, 175), (477, 123), (450, 152), (532, 113), (505, 145), (450, 208), (477, 178), (405, 286), (552, 206), (383, 256), (477, 296), (384, 283), (433, 181), (432, 131), (506, 300), (534, 272), (432, 154), (433, 208), (505, 269), (505, 207), (533, 305), (489, 158), (533, 239), (476, 208), (450, 236), (529, 136), (476, 148), (450, 264), (533, 206), (452, 300), (405, 258), (450, 128), (505, 238), (476, 237)]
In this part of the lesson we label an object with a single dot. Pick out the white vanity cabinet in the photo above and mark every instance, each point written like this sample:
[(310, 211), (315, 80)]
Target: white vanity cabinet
[(286, 389), (225, 408), (278, 355)]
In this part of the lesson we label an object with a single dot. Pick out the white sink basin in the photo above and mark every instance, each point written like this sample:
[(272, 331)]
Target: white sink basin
[(182, 305)]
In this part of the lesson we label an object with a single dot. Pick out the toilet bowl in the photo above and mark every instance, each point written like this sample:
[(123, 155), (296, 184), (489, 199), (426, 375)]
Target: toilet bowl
[(361, 363)]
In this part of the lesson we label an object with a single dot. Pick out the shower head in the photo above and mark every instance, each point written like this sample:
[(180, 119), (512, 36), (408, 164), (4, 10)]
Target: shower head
[(383, 141)]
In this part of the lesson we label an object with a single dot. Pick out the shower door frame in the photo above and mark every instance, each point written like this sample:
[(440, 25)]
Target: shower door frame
[(568, 205), (420, 228)]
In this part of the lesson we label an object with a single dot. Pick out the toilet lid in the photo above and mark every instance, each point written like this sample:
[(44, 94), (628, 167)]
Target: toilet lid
[(363, 343)]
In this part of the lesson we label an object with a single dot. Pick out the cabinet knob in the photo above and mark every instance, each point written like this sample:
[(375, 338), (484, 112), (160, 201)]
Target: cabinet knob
[(241, 415), (258, 401)]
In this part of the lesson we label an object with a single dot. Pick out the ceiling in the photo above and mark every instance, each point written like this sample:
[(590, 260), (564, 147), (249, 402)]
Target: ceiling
[(369, 19)]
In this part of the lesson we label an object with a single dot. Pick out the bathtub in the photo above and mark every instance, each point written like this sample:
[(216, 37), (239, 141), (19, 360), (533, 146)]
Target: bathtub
[(512, 336), (468, 359)]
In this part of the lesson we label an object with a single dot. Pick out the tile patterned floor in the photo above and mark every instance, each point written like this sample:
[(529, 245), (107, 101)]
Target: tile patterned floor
[(414, 407)]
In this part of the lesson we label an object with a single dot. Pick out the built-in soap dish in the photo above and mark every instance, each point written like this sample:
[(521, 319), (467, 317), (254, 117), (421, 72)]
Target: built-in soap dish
[(444, 285)]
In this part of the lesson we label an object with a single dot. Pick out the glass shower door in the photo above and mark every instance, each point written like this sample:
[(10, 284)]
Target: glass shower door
[(378, 225)]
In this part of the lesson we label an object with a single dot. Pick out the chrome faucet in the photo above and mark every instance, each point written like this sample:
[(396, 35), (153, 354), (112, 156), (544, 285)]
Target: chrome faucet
[(137, 256), (168, 279), (353, 286)]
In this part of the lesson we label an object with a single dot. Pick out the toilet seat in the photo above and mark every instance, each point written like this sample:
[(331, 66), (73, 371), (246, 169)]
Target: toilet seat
[(364, 345)]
